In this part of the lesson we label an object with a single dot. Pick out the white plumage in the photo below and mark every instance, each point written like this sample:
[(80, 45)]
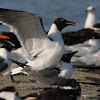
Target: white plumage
[(91, 19), (6, 63)]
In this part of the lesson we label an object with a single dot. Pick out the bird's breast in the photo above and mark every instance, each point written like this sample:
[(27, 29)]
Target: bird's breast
[(56, 54)]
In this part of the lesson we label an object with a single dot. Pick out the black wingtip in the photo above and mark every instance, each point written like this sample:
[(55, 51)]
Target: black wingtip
[(18, 63)]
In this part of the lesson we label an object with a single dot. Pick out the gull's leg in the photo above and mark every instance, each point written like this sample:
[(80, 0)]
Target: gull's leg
[(12, 79)]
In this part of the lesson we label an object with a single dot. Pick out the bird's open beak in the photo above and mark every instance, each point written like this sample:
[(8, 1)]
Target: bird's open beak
[(70, 23), (4, 37)]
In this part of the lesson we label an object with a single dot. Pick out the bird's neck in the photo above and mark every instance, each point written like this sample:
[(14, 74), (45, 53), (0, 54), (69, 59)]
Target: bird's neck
[(90, 20), (64, 65), (55, 35), (66, 70)]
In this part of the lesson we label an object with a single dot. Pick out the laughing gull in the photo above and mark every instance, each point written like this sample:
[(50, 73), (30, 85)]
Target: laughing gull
[(41, 51), (49, 76), (9, 93)]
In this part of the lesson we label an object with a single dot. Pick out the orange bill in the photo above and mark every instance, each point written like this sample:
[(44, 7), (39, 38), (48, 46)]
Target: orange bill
[(4, 37)]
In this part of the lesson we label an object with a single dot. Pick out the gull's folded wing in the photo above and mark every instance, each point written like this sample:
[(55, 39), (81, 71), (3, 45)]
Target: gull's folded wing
[(29, 30), (48, 73), (41, 73)]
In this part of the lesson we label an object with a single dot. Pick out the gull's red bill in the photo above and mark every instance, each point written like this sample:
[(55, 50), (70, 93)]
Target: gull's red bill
[(70, 23)]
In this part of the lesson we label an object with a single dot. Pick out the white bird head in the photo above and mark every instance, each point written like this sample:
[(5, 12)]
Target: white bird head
[(90, 9)]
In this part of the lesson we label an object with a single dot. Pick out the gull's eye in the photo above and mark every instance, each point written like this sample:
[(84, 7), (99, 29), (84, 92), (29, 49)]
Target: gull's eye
[(62, 20)]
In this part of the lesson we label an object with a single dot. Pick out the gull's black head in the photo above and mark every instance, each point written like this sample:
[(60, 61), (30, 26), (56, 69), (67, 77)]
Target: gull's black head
[(67, 57), (62, 23)]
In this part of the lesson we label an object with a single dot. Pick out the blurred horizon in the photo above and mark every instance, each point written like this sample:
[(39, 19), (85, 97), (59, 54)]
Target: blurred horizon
[(51, 9)]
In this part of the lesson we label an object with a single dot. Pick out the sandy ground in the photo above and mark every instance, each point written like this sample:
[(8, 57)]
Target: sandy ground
[(26, 85), (89, 92)]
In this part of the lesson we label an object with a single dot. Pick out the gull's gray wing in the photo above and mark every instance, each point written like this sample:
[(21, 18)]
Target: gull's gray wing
[(48, 73), (44, 76), (28, 29), (42, 73)]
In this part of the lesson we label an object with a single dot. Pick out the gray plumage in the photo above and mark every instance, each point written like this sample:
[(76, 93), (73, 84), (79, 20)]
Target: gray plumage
[(45, 76)]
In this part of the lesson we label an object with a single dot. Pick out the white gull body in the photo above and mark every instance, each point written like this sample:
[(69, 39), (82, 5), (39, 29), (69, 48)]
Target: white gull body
[(47, 58), (91, 19), (66, 70)]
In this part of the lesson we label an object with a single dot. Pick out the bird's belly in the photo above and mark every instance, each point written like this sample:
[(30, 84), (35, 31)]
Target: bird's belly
[(55, 55), (47, 59)]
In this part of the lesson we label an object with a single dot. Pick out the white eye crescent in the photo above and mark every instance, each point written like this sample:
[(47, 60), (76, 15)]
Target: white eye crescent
[(62, 20)]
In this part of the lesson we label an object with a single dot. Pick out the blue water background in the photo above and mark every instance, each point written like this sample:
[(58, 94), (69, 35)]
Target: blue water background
[(73, 10)]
